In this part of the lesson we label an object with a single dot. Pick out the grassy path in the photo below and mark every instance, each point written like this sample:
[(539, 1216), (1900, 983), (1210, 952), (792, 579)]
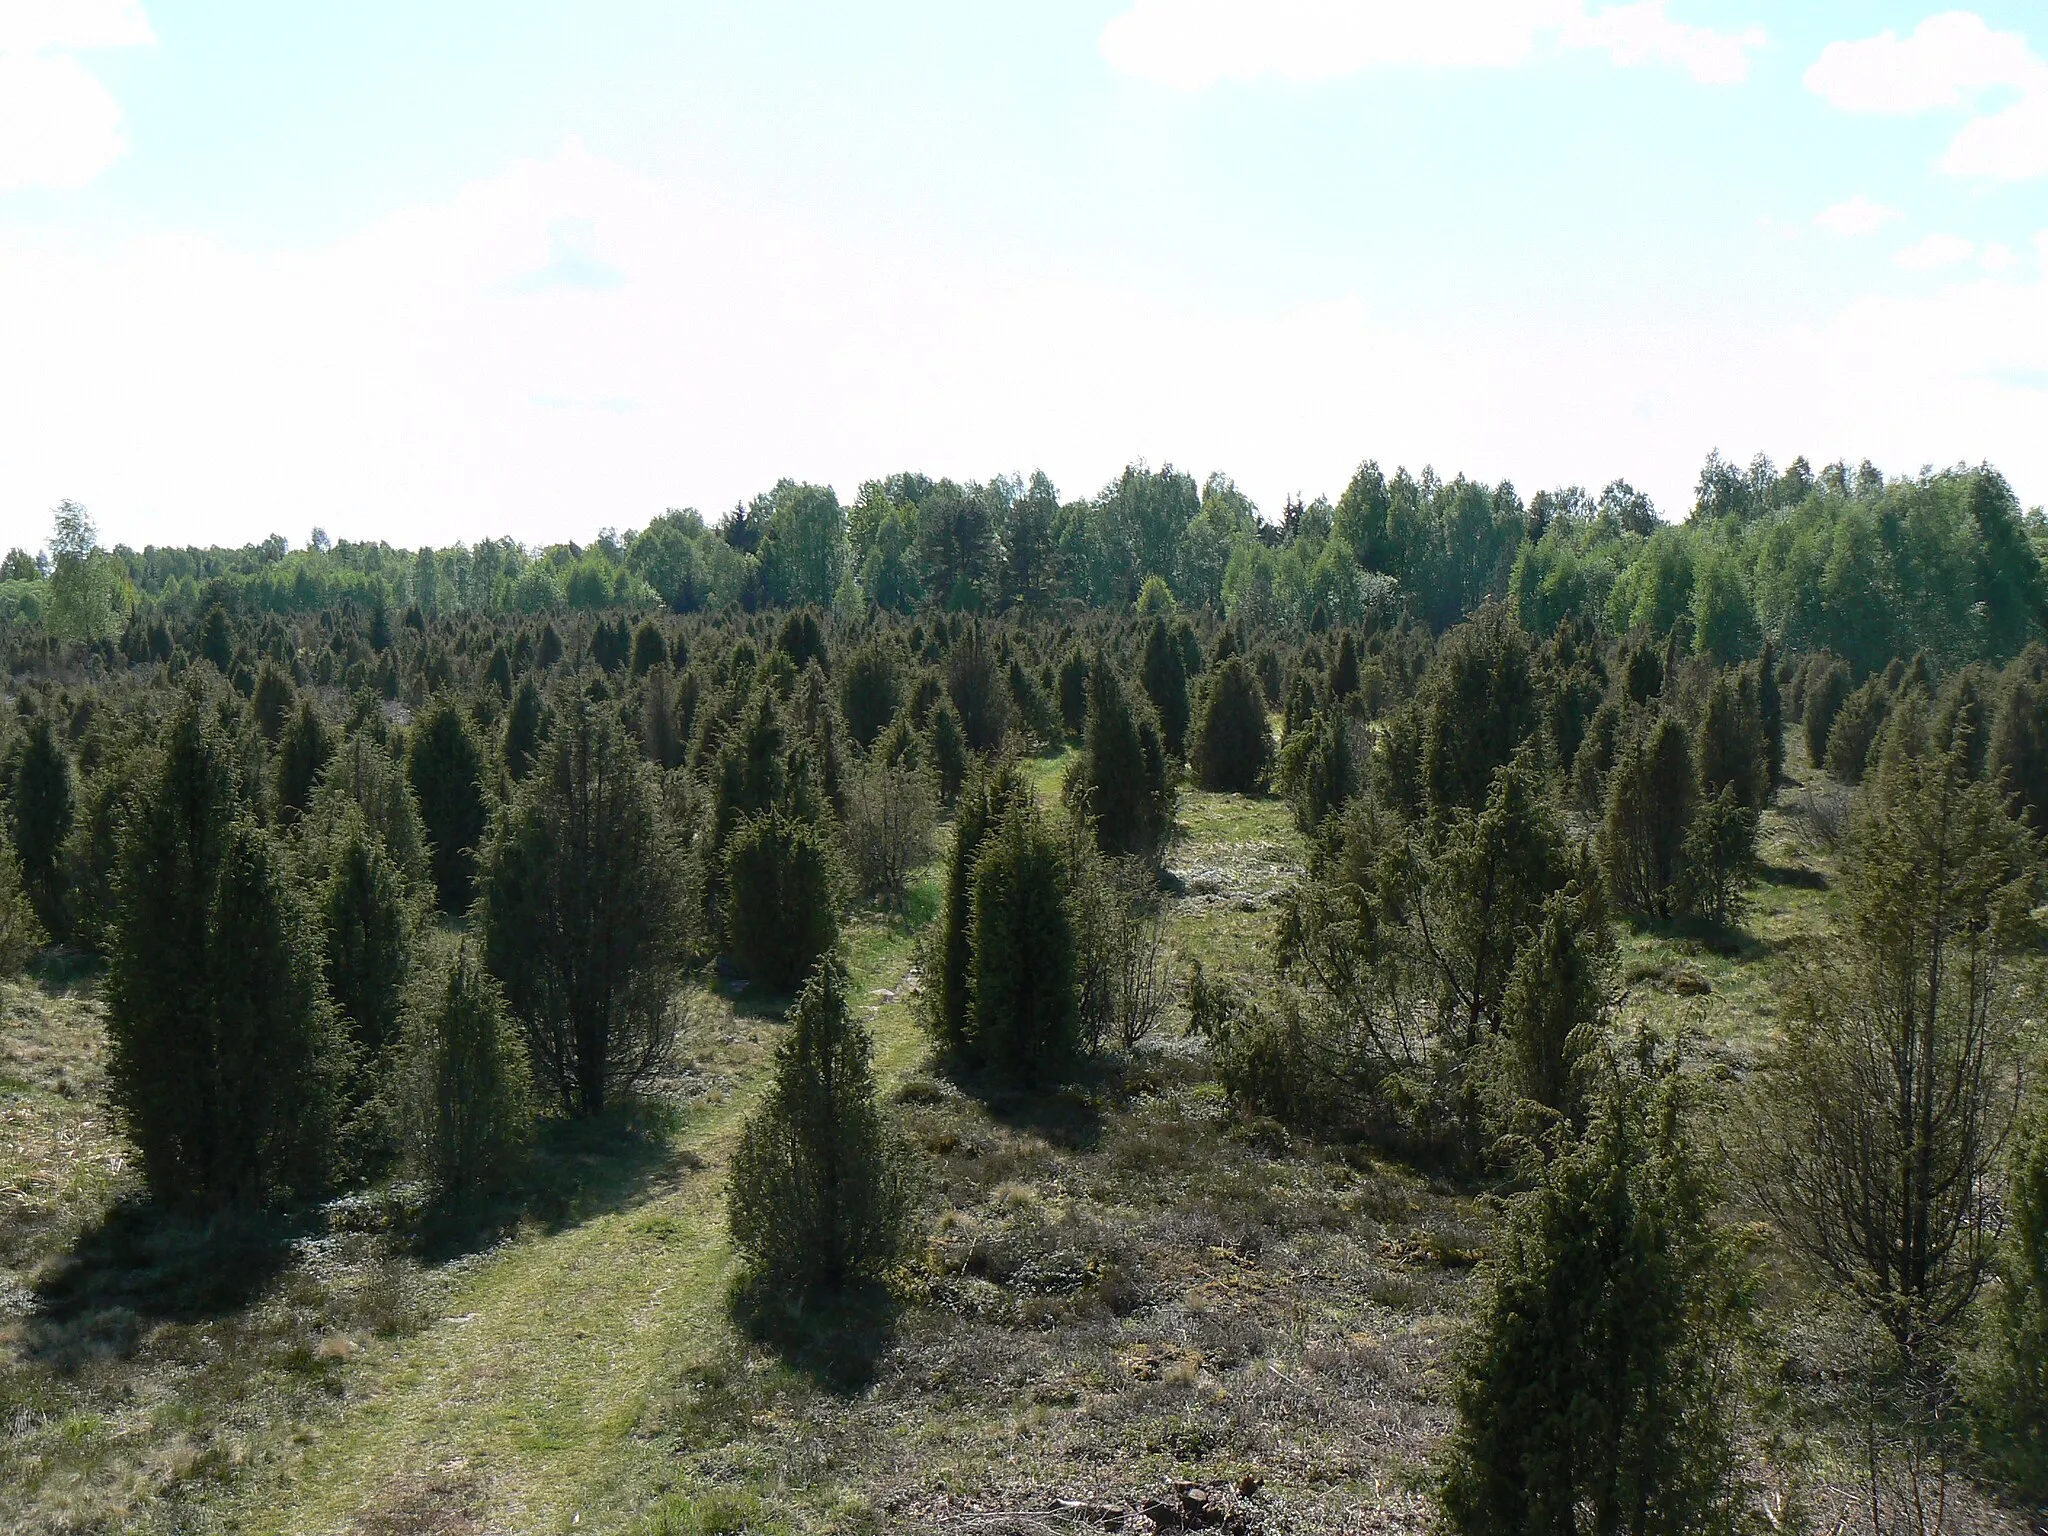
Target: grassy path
[(519, 1408)]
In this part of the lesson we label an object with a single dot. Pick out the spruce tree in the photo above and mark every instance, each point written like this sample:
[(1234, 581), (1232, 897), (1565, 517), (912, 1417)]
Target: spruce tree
[(581, 911), (302, 756), (980, 690), (1597, 1393), (1162, 673), (1025, 1016), (445, 767), (1651, 797), (1232, 748), (465, 1091), (221, 1048), (781, 907), (42, 801), (819, 1198)]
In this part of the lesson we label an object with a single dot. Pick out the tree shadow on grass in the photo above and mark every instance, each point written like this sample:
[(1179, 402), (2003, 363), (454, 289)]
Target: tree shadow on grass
[(578, 1169), (1067, 1114), (144, 1262), (835, 1339)]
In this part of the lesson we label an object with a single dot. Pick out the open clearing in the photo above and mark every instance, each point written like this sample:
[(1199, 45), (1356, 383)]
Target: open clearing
[(1119, 1285)]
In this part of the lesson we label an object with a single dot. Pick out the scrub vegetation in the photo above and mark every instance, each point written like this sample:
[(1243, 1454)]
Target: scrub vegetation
[(973, 1012)]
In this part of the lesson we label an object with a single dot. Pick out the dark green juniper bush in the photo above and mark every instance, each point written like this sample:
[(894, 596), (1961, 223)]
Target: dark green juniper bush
[(820, 1196)]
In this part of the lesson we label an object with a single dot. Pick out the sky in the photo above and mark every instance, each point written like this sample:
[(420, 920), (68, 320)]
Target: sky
[(437, 272)]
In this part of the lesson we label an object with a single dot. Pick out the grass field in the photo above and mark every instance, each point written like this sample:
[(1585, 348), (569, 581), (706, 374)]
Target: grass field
[(1117, 1285)]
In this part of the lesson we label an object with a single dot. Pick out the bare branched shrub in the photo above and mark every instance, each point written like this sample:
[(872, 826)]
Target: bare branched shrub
[(890, 813), (1120, 933)]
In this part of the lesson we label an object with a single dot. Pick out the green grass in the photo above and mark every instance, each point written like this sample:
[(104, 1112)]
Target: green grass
[(1118, 1283)]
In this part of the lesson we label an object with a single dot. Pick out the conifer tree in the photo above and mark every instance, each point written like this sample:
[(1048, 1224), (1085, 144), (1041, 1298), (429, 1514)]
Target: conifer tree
[(302, 756), (1074, 692), (1479, 706), (870, 692), (1827, 690), (1344, 669), (752, 774), (1770, 711), (1557, 999), (662, 734), (949, 751), (1119, 778), (980, 691), (21, 935), (271, 702), (582, 915), (819, 1198), (1320, 769), (465, 1095), (42, 802), (980, 810), (1597, 1394), (1232, 747), (1855, 731), (1025, 1017), (1730, 750), (649, 649), (1902, 1036), (362, 779), (782, 907), (524, 728), (445, 767), (1651, 797), (2017, 1405), (368, 930), (221, 1044), (2018, 764), (1962, 722), (1162, 673)]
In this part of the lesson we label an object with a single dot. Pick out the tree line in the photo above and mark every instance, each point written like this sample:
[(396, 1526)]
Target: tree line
[(1845, 561), (381, 887)]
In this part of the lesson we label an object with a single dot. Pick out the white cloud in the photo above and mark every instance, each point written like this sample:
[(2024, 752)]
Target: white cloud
[(415, 382), (1935, 251), (1191, 44), (1998, 258), (59, 126), (2011, 145), (1948, 61), (1952, 61), (1857, 217), (29, 25)]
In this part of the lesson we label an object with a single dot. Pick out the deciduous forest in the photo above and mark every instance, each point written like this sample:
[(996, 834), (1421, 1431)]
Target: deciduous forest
[(963, 1010)]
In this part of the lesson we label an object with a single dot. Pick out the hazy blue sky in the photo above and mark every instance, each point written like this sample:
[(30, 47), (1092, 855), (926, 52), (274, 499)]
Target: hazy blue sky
[(433, 271)]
